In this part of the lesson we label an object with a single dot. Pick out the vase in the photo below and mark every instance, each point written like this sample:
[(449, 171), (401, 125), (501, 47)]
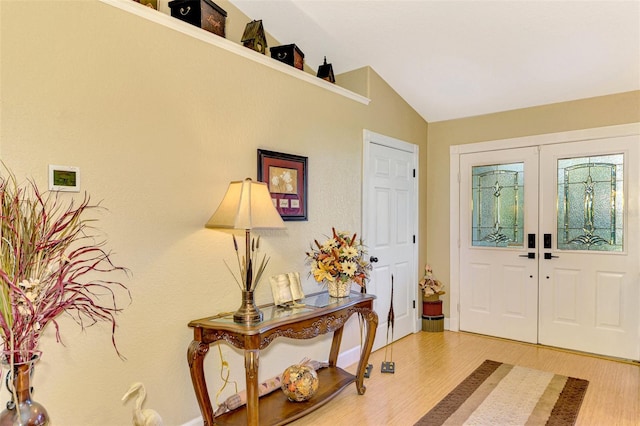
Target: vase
[(248, 313), (339, 288), (22, 410)]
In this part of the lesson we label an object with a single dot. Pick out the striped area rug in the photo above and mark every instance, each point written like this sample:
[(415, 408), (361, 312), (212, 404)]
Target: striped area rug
[(503, 394)]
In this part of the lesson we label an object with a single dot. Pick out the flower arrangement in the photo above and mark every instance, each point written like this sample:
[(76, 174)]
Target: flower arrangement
[(429, 285), (49, 263), (340, 258)]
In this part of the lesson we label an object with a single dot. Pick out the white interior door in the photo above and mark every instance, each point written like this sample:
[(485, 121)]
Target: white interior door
[(389, 226), (499, 269), (589, 288)]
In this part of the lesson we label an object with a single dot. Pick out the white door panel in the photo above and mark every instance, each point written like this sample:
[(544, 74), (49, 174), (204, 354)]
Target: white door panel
[(498, 281), (589, 289)]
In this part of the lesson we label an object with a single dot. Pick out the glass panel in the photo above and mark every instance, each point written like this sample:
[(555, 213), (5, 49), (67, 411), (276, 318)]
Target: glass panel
[(590, 207), (498, 205)]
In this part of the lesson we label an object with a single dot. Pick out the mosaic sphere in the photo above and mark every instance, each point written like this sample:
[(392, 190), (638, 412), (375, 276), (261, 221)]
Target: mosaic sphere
[(299, 382)]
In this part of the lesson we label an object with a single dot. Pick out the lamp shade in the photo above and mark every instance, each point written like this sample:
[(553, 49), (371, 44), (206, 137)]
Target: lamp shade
[(246, 205)]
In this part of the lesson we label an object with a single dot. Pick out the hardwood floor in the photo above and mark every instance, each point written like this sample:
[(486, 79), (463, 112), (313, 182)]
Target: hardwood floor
[(430, 365)]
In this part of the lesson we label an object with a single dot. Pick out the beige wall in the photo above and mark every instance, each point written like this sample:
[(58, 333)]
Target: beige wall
[(582, 114), (159, 123)]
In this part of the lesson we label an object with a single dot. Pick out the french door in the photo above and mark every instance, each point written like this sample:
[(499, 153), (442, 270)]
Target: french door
[(498, 280), (549, 245), (589, 291)]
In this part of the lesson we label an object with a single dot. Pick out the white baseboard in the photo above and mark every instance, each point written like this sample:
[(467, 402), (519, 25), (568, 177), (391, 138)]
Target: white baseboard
[(349, 357), (198, 421)]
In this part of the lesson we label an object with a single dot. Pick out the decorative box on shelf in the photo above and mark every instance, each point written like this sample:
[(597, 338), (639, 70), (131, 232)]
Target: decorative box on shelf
[(153, 4), (290, 54), (201, 13), (325, 72)]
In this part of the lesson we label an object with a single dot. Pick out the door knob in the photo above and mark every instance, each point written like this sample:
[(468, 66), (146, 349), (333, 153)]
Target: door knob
[(548, 256), (373, 259), (529, 255)]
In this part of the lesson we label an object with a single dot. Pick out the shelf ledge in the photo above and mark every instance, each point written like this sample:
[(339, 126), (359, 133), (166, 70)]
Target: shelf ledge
[(221, 42)]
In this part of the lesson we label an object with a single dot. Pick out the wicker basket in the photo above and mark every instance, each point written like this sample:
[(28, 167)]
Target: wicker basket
[(433, 324)]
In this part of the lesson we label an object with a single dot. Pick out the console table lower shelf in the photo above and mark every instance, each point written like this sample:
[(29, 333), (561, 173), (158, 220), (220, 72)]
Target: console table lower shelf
[(276, 409)]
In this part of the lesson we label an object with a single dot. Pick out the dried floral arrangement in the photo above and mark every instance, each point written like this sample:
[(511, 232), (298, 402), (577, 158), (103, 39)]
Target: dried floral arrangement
[(50, 261), (340, 258)]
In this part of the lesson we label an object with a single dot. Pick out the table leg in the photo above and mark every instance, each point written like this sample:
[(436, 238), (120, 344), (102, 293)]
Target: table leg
[(371, 320), (251, 361), (335, 347), (195, 357)]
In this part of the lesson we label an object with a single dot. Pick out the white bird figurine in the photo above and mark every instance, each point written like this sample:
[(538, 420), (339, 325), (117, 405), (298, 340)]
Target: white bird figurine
[(146, 417)]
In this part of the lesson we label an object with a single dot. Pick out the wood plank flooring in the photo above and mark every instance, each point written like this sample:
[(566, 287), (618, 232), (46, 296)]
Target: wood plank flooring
[(430, 365)]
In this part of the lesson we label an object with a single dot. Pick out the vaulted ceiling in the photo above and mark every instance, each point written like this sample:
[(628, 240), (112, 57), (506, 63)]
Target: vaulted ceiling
[(453, 59)]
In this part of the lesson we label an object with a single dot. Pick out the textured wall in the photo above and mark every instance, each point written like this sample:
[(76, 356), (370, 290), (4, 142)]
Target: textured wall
[(159, 123)]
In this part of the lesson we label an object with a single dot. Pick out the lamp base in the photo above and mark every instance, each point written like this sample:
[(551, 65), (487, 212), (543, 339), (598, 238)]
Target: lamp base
[(248, 312)]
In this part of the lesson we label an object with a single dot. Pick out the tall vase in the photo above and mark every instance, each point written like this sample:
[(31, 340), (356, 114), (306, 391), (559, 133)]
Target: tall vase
[(22, 410), (339, 289), (248, 313)]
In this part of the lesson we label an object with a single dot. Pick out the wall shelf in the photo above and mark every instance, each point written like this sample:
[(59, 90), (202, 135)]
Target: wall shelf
[(228, 45)]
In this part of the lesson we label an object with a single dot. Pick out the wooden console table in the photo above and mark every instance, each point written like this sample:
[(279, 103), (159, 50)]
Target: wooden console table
[(321, 314)]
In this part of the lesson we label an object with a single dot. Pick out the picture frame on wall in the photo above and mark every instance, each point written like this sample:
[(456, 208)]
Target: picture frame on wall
[(286, 178)]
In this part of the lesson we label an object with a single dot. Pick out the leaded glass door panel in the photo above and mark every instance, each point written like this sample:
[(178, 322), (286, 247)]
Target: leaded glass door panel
[(498, 194), (590, 207)]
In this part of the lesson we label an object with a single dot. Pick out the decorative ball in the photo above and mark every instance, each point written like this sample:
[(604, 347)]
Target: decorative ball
[(299, 382)]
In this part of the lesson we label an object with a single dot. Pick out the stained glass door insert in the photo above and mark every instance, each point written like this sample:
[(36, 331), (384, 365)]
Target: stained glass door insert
[(590, 203), (498, 205)]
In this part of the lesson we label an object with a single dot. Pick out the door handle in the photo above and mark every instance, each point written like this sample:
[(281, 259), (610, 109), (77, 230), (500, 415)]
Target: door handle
[(529, 255), (548, 256), (373, 259)]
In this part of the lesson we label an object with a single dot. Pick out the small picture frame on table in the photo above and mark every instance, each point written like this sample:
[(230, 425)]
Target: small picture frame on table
[(287, 289), (286, 178)]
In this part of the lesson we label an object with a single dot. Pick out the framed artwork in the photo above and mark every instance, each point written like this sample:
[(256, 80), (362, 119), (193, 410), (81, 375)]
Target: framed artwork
[(286, 177)]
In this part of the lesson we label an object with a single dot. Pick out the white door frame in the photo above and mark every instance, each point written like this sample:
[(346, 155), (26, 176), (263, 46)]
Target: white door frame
[(369, 138), (454, 184)]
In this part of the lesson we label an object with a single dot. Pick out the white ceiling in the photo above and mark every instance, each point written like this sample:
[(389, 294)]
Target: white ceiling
[(450, 59)]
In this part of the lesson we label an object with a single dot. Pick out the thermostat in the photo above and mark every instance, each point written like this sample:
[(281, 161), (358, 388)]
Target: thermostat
[(64, 178)]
